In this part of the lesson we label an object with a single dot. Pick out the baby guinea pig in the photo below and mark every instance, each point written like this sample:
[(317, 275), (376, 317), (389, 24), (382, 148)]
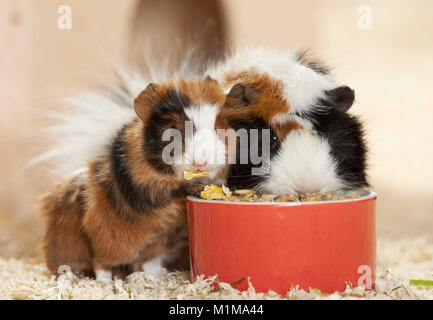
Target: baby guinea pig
[(130, 203), (314, 144)]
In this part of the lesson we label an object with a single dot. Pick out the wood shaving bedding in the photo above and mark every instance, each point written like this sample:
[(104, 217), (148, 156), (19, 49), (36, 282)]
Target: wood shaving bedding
[(398, 262)]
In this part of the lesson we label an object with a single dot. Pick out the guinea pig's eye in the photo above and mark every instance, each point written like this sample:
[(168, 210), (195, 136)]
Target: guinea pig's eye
[(274, 141), (173, 126)]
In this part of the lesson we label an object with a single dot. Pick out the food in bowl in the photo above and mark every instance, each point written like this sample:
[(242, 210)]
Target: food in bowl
[(214, 192)]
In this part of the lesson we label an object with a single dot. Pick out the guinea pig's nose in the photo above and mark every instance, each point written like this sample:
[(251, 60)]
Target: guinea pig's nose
[(199, 162)]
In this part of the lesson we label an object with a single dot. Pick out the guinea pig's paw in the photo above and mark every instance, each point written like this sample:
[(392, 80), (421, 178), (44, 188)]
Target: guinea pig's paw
[(154, 267), (194, 189), (103, 276)]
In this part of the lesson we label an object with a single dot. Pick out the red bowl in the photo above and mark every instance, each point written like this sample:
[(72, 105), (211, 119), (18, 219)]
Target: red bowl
[(323, 245)]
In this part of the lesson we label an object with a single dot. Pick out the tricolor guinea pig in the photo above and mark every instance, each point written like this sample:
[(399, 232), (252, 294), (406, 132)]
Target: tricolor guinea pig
[(312, 143), (128, 207)]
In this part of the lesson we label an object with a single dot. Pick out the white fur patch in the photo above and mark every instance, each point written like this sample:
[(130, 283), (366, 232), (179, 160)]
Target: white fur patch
[(203, 116), (81, 175), (204, 147), (83, 131), (302, 85), (103, 276), (303, 164), (154, 266)]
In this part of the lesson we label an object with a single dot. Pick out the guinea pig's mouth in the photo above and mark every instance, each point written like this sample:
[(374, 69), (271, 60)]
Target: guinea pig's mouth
[(212, 169), (203, 174)]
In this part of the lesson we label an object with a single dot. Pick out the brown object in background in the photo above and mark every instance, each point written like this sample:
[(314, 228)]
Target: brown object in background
[(172, 29)]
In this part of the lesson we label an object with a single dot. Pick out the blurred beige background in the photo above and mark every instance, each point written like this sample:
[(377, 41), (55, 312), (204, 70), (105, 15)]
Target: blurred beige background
[(390, 66)]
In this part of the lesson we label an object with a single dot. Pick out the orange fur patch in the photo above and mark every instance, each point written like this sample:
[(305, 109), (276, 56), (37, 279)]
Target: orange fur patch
[(116, 241), (267, 104), (65, 242), (199, 91)]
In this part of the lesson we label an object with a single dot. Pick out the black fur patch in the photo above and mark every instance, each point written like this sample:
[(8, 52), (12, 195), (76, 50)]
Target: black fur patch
[(122, 192), (172, 102), (345, 136), (172, 105), (239, 175), (341, 98)]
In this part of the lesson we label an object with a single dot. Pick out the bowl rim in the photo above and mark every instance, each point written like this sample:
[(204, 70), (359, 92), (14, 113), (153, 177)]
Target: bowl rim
[(369, 196)]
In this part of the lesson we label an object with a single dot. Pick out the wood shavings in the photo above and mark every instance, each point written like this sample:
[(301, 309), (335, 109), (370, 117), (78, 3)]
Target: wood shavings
[(407, 258)]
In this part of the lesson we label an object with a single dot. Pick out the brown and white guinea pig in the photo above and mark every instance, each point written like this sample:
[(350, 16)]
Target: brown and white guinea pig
[(129, 206), (315, 145)]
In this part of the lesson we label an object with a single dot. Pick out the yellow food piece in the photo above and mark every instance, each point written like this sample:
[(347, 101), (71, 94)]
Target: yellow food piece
[(189, 175), (213, 192)]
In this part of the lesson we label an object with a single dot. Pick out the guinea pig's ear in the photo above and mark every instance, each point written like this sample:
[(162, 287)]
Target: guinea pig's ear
[(243, 92), (144, 102), (342, 97), (209, 79)]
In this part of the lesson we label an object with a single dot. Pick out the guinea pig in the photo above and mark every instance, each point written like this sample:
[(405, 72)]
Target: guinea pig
[(312, 143), (128, 208)]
